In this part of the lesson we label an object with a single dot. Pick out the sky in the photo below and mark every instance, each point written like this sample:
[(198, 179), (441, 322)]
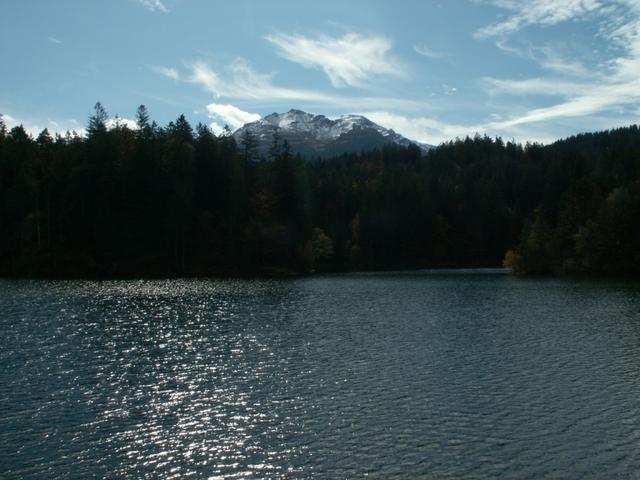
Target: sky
[(534, 70)]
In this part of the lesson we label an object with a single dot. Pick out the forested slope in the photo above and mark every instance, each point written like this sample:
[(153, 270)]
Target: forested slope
[(173, 201)]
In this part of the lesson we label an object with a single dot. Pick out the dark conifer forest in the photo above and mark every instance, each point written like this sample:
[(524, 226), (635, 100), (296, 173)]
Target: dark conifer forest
[(173, 201)]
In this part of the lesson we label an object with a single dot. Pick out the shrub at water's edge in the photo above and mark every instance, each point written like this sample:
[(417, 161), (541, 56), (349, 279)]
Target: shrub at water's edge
[(606, 241)]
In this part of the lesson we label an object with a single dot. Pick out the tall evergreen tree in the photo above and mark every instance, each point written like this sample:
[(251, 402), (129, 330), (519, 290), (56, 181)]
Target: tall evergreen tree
[(168, 201), (98, 121), (249, 146)]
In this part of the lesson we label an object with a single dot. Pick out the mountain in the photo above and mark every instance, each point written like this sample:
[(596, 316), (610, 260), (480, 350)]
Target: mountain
[(318, 136)]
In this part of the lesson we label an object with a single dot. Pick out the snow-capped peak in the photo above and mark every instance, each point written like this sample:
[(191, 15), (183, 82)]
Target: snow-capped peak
[(318, 135)]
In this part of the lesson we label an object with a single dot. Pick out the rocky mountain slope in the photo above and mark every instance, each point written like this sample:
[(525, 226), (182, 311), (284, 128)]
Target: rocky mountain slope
[(316, 136)]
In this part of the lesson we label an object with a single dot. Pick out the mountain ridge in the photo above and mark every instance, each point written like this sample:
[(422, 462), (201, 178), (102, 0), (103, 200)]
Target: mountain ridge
[(317, 136)]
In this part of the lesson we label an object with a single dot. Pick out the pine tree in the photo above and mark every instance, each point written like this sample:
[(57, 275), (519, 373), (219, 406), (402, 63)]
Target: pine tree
[(275, 149), (3, 128), (142, 117), (98, 121), (249, 146)]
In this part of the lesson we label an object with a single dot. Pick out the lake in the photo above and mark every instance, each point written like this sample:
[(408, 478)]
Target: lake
[(431, 374)]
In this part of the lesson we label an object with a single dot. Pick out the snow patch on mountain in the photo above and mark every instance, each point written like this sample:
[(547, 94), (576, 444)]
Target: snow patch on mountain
[(317, 135)]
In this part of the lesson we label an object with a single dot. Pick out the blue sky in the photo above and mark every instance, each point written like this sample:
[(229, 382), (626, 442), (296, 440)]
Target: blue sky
[(532, 70)]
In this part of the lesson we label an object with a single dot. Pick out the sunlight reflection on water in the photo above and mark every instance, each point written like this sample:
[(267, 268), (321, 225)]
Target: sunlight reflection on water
[(453, 375)]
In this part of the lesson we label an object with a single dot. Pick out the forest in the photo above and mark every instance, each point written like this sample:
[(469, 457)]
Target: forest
[(178, 201)]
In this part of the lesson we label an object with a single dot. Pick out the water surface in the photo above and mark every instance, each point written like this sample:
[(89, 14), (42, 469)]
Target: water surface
[(396, 375)]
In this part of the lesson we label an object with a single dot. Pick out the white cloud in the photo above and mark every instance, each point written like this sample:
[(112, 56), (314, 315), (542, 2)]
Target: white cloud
[(34, 128), (422, 129), (9, 121), (613, 88), (63, 126), (119, 121), (448, 89), (536, 12), (350, 60), (432, 131), (533, 86), (31, 128), (54, 40), (240, 81), (154, 5), (592, 100), (550, 59), (225, 114), (166, 71), (596, 99), (427, 52)]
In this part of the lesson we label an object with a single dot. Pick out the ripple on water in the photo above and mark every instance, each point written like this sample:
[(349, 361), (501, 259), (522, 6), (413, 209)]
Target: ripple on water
[(430, 375)]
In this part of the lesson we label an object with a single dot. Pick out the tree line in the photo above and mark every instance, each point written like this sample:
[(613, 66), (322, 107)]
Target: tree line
[(174, 200)]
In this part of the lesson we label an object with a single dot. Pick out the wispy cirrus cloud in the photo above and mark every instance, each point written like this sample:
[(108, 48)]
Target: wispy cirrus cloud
[(596, 99), (55, 40), (166, 71), (240, 81), (552, 60), (425, 51), (533, 86), (350, 60), (548, 57), (226, 114), (611, 88), (154, 5), (536, 12)]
